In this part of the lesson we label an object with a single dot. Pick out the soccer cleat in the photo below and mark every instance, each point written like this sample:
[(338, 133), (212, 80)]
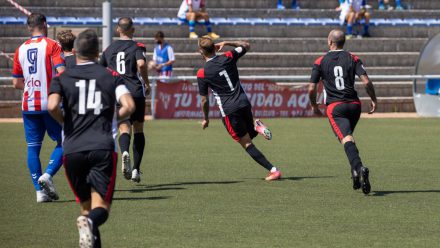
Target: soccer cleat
[(273, 176), (262, 129), (136, 176), (86, 237), (126, 167), (193, 35), (356, 179), (46, 183), (365, 173), (213, 35), (42, 196)]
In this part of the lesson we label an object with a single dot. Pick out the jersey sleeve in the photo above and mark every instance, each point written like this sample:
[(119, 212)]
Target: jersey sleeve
[(316, 71), (17, 71), (57, 57), (201, 81), (358, 66), (140, 52), (236, 53), (55, 86)]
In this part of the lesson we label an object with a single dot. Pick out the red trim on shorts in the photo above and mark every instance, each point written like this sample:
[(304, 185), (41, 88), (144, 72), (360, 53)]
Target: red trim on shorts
[(230, 129), (68, 180), (335, 127), (111, 186)]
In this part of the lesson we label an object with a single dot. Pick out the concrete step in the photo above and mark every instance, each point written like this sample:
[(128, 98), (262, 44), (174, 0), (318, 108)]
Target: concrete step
[(286, 59), (254, 31), (264, 4), (214, 12), (9, 44)]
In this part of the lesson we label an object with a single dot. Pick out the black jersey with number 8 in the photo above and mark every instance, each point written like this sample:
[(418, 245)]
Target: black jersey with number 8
[(338, 69)]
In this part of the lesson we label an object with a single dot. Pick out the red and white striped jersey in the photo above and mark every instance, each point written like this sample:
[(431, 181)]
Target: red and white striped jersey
[(197, 5), (36, 61)]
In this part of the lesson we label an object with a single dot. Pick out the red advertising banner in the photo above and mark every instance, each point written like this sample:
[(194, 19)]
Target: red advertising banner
[(182, 101)]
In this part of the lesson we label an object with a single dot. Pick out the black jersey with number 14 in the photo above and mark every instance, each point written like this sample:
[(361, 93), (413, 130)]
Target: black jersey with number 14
[(221, 75), (122, 56), (338, 70), (89, 93)]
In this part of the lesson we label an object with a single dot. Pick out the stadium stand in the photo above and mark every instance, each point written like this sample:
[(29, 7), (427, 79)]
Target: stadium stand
[(284, 42)]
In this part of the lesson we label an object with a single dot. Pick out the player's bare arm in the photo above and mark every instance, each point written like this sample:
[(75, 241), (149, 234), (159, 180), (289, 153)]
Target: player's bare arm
[(313, 91), (369, 87), (53, 106), (61, 69), (205, 109), (219, 46), (127, 106), (143, 70), (18, 83)]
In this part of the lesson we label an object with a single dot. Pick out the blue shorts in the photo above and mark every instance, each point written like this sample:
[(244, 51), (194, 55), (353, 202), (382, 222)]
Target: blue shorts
[(36, 125)]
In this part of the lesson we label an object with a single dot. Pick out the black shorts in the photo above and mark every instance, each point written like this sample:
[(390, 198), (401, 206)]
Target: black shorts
[(239, 123), (139, 113), (91, 169), (343, 117)]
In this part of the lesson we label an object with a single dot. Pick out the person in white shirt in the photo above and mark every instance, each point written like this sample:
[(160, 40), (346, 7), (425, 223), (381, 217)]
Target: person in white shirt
[(194, 10)]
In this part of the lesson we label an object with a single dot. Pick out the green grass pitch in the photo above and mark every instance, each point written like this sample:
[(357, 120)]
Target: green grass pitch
[(200, 189)]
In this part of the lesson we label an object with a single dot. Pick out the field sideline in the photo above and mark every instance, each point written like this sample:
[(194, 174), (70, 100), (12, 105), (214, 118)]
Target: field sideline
[(200, 189)]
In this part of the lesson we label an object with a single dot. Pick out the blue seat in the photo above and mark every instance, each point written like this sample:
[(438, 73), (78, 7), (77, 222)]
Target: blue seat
[(91, 20), (433, 87), (143, 21), (11, 20), (70, 20), (54, 20)]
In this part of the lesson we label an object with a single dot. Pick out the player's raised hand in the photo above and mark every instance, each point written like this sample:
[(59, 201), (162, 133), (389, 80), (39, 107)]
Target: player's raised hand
[(219, 46), (205, 124), (373, 107)]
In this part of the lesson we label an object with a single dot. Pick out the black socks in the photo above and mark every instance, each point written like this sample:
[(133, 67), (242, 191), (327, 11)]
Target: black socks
[(124, 142), (353, 155), (138, 149), (98, 216), (258, 157)]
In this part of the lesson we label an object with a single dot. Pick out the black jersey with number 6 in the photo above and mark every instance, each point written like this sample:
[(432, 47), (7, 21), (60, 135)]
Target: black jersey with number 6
[(89, 94), (220, 73), (122, 56), (338, 70)]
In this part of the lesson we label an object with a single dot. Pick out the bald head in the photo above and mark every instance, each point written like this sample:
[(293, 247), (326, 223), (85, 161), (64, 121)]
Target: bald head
[(336, 39)]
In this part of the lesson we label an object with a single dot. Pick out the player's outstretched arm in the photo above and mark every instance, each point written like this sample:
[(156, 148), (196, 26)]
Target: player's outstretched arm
[(313, 92), (205, 109), (245, 44), (127, 106), (369, 87), (53, 106), (142, 67)]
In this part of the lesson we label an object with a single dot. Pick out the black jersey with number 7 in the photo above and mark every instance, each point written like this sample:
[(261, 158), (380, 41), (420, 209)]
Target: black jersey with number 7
[(221, 75), (338, 69)]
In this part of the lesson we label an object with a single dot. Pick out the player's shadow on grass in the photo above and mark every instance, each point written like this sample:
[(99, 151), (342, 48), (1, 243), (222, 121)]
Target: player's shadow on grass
[(385, 193), (179, 184), (146, 189), (152, 198), (303, 178)]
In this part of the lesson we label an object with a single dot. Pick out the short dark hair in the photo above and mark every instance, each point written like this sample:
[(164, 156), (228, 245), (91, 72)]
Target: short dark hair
[(159, 35), (206, 45), (87, 45), (125, 24), (36, 20), (66, 39)]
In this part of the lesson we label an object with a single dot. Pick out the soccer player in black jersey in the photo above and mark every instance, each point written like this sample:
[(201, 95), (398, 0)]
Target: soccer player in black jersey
[(220, 73), (337, 70), (89, 93), (127, 57), (66, 38)]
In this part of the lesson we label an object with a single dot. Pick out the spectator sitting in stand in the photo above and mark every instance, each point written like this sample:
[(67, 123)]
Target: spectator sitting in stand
[(194, 10), (354, 12)]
